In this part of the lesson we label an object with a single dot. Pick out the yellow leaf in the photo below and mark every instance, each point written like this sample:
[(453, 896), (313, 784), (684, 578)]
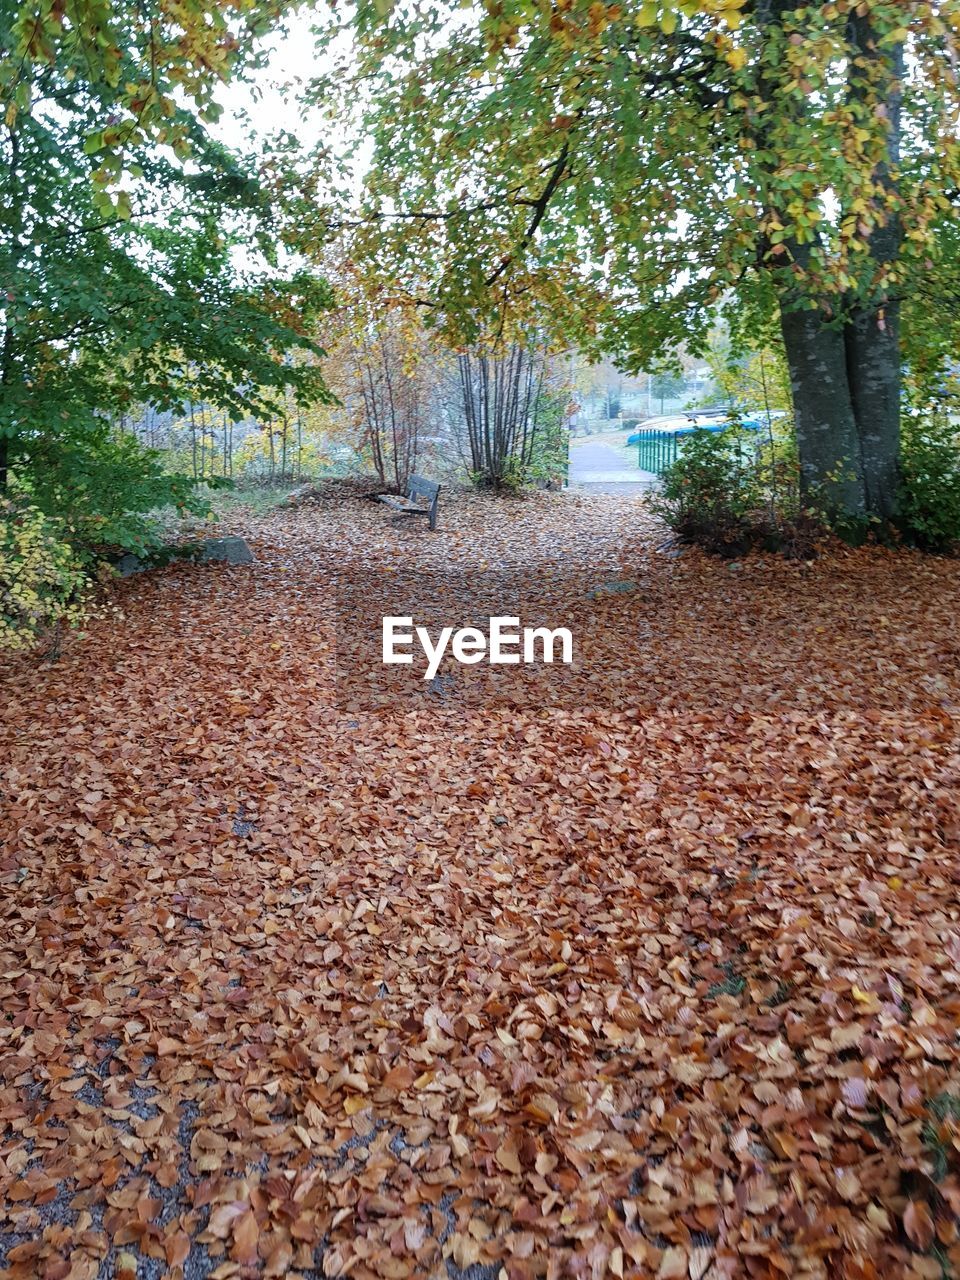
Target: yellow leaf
[(668, 23), (866, 998)]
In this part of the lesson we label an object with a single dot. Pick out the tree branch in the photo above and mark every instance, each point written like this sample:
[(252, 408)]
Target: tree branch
[(539, 212)]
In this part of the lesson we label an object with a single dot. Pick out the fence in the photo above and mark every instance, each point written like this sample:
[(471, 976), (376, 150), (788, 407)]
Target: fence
[(657, 450)]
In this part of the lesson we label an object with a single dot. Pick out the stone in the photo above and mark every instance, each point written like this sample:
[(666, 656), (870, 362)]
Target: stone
[(229, 550), (611, 588), (130, 564)]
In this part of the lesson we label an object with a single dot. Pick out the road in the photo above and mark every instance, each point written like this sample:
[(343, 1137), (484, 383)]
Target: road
[(602, 468)]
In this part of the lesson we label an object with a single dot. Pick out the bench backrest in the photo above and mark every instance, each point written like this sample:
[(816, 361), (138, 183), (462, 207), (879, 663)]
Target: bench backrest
[(419, 487)]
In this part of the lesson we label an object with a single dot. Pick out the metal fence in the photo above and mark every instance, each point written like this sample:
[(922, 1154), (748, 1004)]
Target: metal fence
[(657, 450)]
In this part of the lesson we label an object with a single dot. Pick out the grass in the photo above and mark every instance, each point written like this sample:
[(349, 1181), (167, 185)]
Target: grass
[(257, 498), (945, 1107)]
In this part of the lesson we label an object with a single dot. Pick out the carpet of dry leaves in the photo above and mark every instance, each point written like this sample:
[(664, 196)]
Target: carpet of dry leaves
[(665, 985)]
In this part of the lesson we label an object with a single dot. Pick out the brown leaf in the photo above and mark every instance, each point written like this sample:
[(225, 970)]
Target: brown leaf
[(919, 1225)]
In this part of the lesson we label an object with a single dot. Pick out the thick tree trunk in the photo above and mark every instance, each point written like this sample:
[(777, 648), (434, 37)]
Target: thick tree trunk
[(872, 341), (846, 376), (845, 382), (828, 443)]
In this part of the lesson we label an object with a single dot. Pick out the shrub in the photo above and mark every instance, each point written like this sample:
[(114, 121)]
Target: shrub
[(104, 487), (930, 490), (732, 490), (42, 583)]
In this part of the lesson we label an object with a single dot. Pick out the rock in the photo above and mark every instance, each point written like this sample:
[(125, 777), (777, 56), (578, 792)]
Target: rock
[(611, 588), (229, 550), (130, 564)]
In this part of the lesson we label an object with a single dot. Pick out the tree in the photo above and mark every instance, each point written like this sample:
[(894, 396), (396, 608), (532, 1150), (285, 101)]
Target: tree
[(513, 400), (384, 368), (624, 169), (667, 385), (121, 222)]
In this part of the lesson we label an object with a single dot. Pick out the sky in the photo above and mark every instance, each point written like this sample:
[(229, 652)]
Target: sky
[(262, 102)]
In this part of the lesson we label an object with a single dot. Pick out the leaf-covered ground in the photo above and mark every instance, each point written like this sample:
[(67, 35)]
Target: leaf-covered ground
[(665, 983)]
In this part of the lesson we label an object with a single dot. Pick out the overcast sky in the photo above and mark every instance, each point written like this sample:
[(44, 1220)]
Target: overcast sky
[(293, 60)]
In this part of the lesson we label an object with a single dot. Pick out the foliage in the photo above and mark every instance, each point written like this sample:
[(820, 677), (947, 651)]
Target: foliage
[(387, 371), (620, 171), (931, 331), (140, 65), (750, 376), (103, 486), (732, 490), (930, 500), (286, 449), (43, 586), (547, 465), (135, 250), (667, 93)]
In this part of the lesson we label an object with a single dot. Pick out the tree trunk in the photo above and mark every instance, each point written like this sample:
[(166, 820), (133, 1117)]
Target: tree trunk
[(827, 440), (872, 341), (845, 383), (845, 376)]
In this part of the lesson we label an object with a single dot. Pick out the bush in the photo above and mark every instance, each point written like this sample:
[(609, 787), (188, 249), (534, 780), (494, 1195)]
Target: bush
[(42, 583), (930, 491), (729, 491), (103, 487)]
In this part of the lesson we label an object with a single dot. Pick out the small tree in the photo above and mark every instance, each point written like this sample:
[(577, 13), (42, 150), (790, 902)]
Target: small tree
[(505, 402), (665, 386), (393, 386), (42, 582)]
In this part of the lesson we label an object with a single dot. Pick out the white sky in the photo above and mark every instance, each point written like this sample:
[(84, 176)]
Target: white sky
[(293, 62)]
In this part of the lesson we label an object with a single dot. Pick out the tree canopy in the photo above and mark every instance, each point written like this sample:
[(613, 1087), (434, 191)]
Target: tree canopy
[(623, 169), (135, 250)]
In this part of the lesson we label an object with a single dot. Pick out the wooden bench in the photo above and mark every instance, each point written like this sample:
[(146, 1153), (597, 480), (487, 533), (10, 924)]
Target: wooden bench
[(419, 492)]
